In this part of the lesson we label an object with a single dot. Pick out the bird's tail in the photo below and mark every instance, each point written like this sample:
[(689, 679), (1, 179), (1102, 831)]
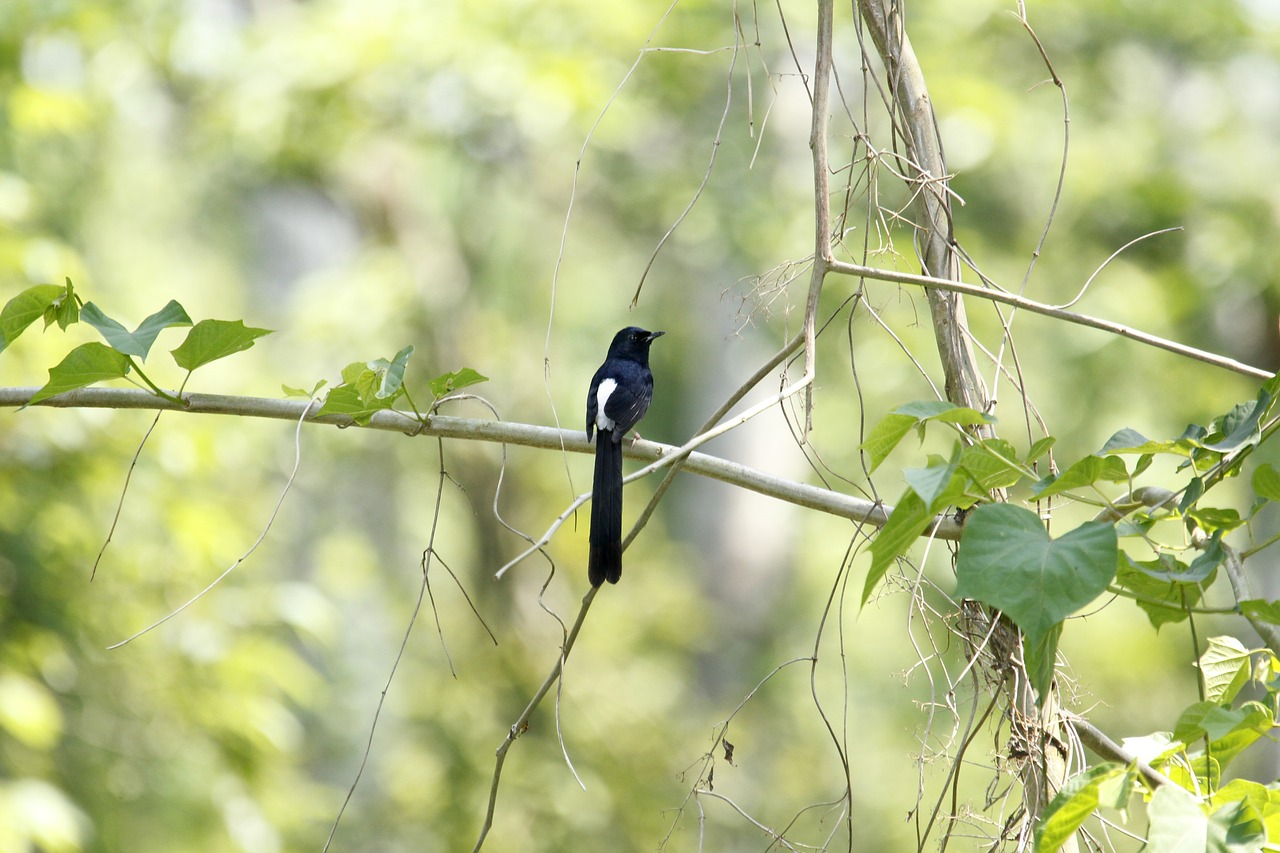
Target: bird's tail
[(605, 559)]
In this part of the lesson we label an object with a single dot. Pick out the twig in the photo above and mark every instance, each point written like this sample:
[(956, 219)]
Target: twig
[(521, 725), (297, 463), (124, 490)]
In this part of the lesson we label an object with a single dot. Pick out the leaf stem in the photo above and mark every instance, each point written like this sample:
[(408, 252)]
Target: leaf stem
[(153, 386)]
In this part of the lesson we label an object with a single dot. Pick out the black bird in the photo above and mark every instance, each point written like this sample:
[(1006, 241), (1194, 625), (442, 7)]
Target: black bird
[(619, 396)]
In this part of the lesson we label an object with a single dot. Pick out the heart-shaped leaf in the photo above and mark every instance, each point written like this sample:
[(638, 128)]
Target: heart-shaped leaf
[(1007, 560)]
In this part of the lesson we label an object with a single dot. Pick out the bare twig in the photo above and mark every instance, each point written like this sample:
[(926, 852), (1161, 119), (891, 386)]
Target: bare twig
[(424, 587), (521, 725), (124, 490), (297, 463)]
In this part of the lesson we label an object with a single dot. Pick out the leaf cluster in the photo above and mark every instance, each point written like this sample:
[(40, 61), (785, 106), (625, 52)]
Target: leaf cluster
[(93, 362), (1008, 560)]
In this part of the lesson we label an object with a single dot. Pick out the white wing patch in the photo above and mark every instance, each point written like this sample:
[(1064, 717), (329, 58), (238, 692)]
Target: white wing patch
[(607, 387)]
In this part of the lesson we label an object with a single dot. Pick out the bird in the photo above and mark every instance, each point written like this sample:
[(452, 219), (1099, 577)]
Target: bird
[(620, 393)]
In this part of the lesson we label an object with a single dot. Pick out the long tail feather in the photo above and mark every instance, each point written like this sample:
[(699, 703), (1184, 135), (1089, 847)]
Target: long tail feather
[(605, 559)]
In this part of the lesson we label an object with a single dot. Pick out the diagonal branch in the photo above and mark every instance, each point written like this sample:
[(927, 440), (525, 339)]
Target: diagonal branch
[(994, 295)]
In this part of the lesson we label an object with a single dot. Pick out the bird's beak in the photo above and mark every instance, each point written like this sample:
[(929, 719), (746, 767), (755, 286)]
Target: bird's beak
[(653, 335)]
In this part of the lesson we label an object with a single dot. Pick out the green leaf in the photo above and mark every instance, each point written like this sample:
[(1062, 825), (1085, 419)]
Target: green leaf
[(1179, 825), (1216, 520), (1040, 656), (885, 437), (447, 383), (84, 365), (1040, 448), (64, 310), (24, 309), (1131, 441), (1078, 798), (893, 427), (1126, 441), (1265, 611), (904, 525), (346, 400), (943, 412), (1163, 589), (138, 342), (109, 328), (1220, 723), (210, 340), (1086, 472), (1178, 822), (1230, 730), (991, 464), (1155, 749), (1236, 828), (1266, 482), (1225, 667), (1264, 800), (1240, 426), (1194, 492), (290, 391), (1167, 567), (931, 483), (391, 373), (1007, 560)]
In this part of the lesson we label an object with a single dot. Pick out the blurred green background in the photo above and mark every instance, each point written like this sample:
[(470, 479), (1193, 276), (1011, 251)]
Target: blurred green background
[(361, 175)]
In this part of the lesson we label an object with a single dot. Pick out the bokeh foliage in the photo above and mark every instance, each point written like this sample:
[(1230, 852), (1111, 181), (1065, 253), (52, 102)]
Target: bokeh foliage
[(367, 174)]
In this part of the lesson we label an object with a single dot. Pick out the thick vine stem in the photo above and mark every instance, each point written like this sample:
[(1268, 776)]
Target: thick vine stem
[(916, 124)]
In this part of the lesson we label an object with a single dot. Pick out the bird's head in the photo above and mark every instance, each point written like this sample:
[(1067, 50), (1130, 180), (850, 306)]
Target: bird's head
[(633, 341)]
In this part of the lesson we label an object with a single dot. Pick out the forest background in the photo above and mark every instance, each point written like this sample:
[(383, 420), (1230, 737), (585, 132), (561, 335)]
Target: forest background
[(365, 175)]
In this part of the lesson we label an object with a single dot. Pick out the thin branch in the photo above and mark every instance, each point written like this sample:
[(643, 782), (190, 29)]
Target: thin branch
[(932, 283), (521, 725), (297, 463), (124, 491), (1095, 739), (425, 587)]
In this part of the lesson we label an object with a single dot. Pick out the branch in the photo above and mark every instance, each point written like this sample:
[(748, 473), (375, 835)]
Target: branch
[(504, 432), (932, 283), (821, 200), (1269, 633), (935, 238), (1096, 740)]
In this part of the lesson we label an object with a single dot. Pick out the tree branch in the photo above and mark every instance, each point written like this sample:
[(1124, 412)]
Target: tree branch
[(933, 283), (504, 432)]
